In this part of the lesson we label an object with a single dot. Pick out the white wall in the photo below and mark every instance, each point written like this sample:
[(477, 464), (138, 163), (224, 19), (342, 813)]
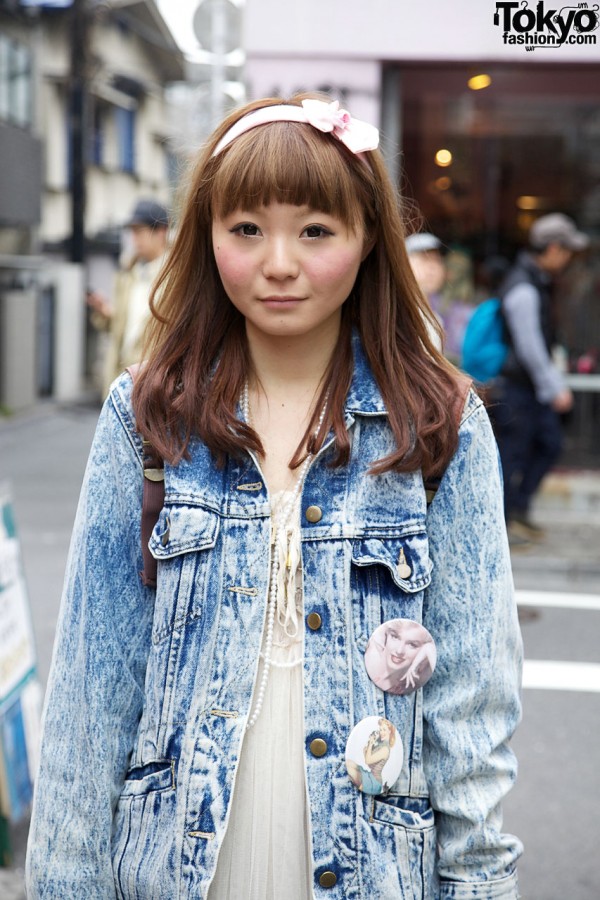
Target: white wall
[(52, 111), (122, 50), (69, 329), (408, 30), (151, 162), (358, 80)]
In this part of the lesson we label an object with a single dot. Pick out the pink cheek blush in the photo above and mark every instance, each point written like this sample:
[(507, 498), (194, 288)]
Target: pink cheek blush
[(231, 268), (332, 268)]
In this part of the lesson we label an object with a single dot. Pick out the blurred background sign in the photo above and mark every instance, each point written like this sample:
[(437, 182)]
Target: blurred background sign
[(217, 25), (20, 692), (47, 4)]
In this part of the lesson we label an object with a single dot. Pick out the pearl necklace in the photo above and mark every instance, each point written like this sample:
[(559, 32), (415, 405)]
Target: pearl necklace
[(281, 520)]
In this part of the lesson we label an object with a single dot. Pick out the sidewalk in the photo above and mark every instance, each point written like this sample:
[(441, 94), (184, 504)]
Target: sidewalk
[(12, 884), (568, 508), (12, 880), (43, 452), (573, 495)]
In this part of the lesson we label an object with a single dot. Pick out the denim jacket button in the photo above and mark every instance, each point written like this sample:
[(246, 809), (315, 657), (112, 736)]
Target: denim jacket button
[(328, 879), (314, 514), (403, 569), (318, 747), (313, 620)]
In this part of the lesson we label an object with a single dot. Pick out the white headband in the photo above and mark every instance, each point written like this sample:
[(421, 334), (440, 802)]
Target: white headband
[(357, 136)]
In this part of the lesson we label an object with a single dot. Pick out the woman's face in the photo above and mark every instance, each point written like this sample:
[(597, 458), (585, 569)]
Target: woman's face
[(287, 269), (429, 270), (384, 730), (403, 642)]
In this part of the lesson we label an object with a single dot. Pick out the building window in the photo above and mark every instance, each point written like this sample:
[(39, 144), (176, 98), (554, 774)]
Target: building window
[(15, 82), (125, 130), (98, 136)]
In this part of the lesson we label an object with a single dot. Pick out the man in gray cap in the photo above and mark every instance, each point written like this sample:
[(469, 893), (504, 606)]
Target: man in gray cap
[(128, 314), (530, 393)]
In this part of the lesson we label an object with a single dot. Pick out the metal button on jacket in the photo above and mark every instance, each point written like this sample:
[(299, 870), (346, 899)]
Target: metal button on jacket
[(403, 569), (328, 879), (314, 514), (318, 747), (313, 620)]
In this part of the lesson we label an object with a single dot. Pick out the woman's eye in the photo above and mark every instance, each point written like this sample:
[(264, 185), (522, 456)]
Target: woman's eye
[(246, 229), (316, 231)]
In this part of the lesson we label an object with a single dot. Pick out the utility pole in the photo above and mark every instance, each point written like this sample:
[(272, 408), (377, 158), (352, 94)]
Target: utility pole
[(77, 129), (217, 25), (218, 36)]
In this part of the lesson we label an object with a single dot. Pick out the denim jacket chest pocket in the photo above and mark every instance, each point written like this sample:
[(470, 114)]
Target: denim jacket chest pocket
[(182, 541), (390, 570)]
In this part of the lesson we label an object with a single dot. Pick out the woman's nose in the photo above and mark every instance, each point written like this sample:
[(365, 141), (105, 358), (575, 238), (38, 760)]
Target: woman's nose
[(280, 261)]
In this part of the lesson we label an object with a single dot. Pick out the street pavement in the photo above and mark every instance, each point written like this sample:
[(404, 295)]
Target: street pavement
[(553, 808)]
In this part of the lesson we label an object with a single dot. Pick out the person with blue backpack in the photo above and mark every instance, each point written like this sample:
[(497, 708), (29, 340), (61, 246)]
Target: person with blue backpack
[(530, 393), (484, 348)]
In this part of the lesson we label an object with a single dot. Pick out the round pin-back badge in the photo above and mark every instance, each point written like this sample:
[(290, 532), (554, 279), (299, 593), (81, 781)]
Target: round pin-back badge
[(374, 755), (400, 656)]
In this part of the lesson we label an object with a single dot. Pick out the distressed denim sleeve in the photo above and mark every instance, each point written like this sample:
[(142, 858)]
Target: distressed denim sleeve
[(472, 703), (95, 691)]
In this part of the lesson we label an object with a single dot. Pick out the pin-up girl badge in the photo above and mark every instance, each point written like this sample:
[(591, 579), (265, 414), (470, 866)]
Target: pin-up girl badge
[(374, 755), (400, 656)]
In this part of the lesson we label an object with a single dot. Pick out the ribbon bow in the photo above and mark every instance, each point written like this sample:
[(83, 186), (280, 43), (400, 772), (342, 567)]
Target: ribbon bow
[(357, 136)]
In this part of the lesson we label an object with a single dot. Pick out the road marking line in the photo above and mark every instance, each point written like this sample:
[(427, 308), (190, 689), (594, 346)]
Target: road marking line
[(558, 599), (551, 675)]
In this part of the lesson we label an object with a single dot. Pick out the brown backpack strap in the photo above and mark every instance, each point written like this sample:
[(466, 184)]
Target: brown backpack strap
[(152, 501)]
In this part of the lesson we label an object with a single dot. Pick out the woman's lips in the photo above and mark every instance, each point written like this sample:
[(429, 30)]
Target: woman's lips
[(281, 302), (396, 659)]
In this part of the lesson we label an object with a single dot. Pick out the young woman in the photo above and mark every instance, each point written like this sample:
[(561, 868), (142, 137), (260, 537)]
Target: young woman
[(194, 734)]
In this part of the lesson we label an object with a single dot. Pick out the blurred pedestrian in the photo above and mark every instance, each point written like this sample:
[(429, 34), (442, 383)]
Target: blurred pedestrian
[(126, 315), (194, 732), (530, 395), (428, 262)]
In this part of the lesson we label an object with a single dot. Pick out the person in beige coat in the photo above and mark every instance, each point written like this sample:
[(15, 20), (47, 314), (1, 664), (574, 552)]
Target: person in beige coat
[(125, 318)]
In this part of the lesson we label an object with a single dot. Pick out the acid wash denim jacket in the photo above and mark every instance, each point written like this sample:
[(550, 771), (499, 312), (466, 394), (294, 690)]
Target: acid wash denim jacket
[(150, 691)]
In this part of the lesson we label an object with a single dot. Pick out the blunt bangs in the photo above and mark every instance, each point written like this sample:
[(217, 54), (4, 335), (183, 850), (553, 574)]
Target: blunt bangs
[(290, 162)]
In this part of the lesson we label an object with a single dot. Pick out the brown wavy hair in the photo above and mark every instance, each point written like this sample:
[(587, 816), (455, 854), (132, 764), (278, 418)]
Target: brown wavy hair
[(197, 351)]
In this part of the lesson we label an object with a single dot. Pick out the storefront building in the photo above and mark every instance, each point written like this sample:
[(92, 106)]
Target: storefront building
[(490, 117)]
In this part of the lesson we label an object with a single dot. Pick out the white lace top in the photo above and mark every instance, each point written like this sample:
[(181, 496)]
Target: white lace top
[(266, 853)]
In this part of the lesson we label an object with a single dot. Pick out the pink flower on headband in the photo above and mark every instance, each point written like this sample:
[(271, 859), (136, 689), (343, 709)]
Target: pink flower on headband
[(357, 136), (326, 116)]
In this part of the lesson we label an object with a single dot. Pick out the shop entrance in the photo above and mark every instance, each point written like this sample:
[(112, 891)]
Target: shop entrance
[(488, 149)]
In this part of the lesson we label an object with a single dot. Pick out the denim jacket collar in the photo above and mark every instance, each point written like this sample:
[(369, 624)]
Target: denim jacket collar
[(364, 397), (238, 488)]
